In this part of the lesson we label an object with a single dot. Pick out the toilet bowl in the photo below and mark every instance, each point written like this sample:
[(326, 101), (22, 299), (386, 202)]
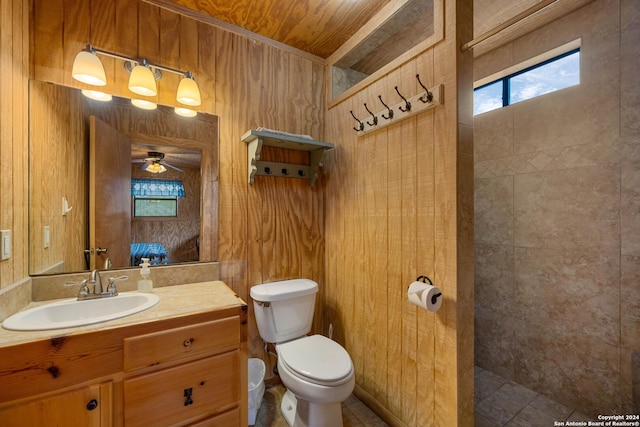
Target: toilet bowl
[(318, 374), (317, 371)]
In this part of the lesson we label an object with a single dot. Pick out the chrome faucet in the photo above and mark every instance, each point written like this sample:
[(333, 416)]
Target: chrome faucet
[(85, 294), (97, 282)]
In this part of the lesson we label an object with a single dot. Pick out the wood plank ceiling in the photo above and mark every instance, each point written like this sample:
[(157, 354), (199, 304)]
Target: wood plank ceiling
[(319, 27)]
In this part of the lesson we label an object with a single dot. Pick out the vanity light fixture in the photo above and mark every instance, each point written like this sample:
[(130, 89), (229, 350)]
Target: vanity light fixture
[(87, 68), (96, 95), (188, 91), (185, 112), (142, 80), (144, 104)]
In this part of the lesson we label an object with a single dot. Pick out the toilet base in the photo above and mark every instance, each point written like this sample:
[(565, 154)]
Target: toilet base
[(300, 413)]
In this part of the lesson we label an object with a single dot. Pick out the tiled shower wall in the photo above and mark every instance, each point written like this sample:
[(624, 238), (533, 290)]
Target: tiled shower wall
[(557, 219)]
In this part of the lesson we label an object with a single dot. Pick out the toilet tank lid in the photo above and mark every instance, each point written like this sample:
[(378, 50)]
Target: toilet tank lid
[(276, 291)]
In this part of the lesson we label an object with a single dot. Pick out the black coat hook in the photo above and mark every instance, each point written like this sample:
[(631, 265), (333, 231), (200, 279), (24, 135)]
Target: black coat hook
[(375, 119), (427, 97), (390, 113), (360, 127), (407, 104)]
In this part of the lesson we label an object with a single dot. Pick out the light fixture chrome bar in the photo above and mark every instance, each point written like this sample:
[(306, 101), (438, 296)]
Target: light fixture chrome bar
[(138, 61)]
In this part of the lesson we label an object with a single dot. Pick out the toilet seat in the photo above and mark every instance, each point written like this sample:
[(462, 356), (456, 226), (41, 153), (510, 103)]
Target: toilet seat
[(317, 359)]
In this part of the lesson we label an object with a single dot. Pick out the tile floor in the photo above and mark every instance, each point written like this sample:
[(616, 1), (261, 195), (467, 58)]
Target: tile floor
[(498, 403), (354, 412)]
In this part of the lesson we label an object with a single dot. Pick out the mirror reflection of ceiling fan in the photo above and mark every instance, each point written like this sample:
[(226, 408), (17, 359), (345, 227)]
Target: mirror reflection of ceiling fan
[(154, 163)]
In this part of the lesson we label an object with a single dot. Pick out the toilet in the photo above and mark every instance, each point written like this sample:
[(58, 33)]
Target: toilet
[(317, 371)]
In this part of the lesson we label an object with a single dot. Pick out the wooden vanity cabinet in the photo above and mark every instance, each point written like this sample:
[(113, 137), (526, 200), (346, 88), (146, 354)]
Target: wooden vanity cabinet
[(189, 370)]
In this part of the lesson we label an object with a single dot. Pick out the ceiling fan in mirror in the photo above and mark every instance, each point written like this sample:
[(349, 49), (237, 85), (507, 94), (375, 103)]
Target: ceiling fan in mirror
[(154, 163)]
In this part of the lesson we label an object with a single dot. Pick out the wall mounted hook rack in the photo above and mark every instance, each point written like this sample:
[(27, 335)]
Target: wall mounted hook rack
[(400, 110)]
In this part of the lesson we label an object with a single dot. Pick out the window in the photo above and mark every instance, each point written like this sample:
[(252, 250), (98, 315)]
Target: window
[(558, 72), (155, 206)]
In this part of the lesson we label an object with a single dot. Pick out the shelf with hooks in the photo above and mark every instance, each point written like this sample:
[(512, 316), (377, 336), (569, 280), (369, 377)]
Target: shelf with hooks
[(256, 139), (430, 98)]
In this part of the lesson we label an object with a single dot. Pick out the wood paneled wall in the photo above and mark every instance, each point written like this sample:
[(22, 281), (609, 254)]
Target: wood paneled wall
[(268, 231), (58, 166), (14, 70), (399, 204)]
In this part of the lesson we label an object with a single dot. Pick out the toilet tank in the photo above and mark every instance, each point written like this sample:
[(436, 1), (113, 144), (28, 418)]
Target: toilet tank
[(284, 310)]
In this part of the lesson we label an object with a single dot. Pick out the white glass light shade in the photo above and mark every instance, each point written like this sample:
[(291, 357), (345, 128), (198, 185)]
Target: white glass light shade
[(87, 68), (96, 95), (145, 105), (142, 81), (185, 112), (153, 168), (188, 92)]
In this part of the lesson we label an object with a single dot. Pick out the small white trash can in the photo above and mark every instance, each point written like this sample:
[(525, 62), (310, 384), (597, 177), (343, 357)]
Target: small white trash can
[(256, 387)]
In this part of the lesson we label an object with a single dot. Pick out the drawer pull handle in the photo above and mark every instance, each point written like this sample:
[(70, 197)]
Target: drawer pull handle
[(187, 394), (188, 342), (93, 404)]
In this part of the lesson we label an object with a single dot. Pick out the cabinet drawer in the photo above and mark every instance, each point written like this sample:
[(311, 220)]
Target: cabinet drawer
[(228, 419), (159, 398), (174, 344)]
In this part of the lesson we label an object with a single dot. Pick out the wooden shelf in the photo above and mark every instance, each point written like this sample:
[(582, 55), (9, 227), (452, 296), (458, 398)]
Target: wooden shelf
[(256, 139)]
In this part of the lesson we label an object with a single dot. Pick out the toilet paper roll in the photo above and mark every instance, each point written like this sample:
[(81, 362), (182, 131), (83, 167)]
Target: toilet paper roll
[(425, 295)]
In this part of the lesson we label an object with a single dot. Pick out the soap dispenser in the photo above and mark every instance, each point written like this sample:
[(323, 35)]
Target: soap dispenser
[(145, 284)]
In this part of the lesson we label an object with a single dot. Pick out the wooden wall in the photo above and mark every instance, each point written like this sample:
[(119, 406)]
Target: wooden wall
[(267, 231), (399, 204), (14, 50), (58, 166)]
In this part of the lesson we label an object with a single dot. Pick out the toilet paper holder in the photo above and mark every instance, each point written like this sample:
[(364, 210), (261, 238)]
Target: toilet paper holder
[(425, 279)]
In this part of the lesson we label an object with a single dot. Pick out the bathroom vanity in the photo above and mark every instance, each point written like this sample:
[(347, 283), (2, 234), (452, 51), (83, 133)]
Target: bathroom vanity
[(182, 362)]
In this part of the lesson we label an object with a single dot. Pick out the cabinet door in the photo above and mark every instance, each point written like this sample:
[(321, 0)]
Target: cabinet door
[(88, 406)]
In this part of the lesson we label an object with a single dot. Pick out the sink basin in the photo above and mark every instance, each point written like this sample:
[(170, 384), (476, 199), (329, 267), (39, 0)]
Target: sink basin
[(70, 313)]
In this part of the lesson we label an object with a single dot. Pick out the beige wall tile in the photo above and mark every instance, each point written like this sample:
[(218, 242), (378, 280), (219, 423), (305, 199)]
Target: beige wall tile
[(569, 208), (630, 302), (572, 292), (630, 208), (494, 278), (494, 210), (575, 115), (493, 134), (577, 372), (494, 342)]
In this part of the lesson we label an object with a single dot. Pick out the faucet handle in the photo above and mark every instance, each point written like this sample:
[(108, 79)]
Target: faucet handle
[(84, 289), (111, 288)]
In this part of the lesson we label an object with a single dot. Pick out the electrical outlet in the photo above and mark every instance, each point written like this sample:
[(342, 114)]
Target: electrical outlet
[(5, 244)]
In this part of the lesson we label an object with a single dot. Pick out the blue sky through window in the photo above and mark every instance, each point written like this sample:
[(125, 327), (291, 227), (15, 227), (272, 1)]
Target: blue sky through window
[(556, 74)]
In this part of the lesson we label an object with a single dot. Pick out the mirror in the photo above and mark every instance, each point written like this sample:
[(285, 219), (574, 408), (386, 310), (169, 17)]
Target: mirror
[(60, 193)]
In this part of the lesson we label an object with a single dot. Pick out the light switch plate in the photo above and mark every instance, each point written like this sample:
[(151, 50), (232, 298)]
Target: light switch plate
[(47, 236), (5, 244)]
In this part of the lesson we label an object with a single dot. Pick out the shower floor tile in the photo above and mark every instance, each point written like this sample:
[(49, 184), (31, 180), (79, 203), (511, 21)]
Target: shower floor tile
[(503, 403)]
